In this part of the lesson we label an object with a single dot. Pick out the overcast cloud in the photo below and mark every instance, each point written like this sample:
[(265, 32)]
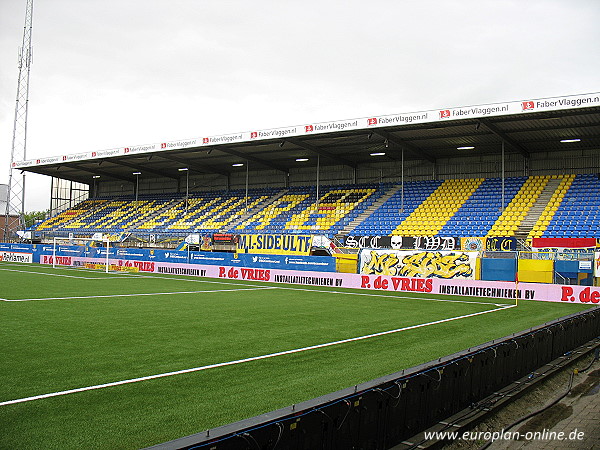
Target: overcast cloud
[(115, 73)]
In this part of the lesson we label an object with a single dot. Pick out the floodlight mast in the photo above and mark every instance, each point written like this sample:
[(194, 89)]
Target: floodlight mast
[(15, 204)]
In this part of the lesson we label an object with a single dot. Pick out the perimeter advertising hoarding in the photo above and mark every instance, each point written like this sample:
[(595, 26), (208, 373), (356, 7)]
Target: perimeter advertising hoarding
[(431, 116), (421, 264), (16, 257), (144, 259), (27, 248), (506, 291)]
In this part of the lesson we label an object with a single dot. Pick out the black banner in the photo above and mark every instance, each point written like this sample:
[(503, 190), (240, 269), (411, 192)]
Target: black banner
[(501, 244), (403, 242), (367, 241)]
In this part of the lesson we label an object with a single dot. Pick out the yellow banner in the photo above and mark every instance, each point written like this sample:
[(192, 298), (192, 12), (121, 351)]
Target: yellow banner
[(423, 264), (275, 244), (111, 267)]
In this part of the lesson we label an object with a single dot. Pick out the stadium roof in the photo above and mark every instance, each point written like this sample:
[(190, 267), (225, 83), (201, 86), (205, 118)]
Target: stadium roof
[(527, 127)]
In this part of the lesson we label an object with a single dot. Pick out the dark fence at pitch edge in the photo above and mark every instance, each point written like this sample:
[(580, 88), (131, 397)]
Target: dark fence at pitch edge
[(384, 412)]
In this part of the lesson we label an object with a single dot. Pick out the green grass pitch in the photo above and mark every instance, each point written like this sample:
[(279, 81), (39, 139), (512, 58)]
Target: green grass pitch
[(63, 329)]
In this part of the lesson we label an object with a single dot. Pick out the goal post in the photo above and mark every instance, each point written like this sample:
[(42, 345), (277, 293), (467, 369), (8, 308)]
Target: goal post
[(77, 241)]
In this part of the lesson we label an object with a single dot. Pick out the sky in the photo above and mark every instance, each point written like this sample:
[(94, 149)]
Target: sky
[(115, 73)]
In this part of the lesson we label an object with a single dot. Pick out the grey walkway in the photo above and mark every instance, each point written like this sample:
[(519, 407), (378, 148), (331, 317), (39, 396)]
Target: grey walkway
[(571, 424)]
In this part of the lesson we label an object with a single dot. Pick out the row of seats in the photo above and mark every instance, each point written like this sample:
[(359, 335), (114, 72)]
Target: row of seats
[(575, 211), (543, 206), (70, 214), (515, 212), (402, 202), (430, 217), (298, 210), (482, 210)]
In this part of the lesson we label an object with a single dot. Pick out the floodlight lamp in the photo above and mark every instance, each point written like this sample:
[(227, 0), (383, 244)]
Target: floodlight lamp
[(301, 159), (183, 169), (238, 164), (467, 147), (137, 173), (95, 176), (378, 154), (565, 141)]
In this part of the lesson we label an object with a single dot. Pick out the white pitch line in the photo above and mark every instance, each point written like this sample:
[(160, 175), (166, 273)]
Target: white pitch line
[(58, 266), (60, 274), (289, 288), (272, 287), (134, 295), (241, 361), (394, 296)]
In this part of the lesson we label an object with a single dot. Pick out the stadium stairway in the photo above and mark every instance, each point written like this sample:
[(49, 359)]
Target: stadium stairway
[(431, 215), (512, 216), (167, 215), (121, 213), (205, 212), (217, 213), (135, 224), (97, 218), (255, 210), (338, 206), (298, 211), (477, 215), (537, 209), (551, 207), (274, 216), (371, 209), (386, 218), (230, 210)]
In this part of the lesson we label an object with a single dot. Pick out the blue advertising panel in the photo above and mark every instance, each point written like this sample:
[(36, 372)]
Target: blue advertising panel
[(262, 261), (498, 269), (289, 262)]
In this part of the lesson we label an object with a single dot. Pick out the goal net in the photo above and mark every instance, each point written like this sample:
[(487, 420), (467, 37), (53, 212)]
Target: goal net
[(63, 250)]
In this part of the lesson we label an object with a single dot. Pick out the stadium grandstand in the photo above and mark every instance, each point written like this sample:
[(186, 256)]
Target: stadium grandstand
[(521, 169), (350, 284), (553, 205)]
